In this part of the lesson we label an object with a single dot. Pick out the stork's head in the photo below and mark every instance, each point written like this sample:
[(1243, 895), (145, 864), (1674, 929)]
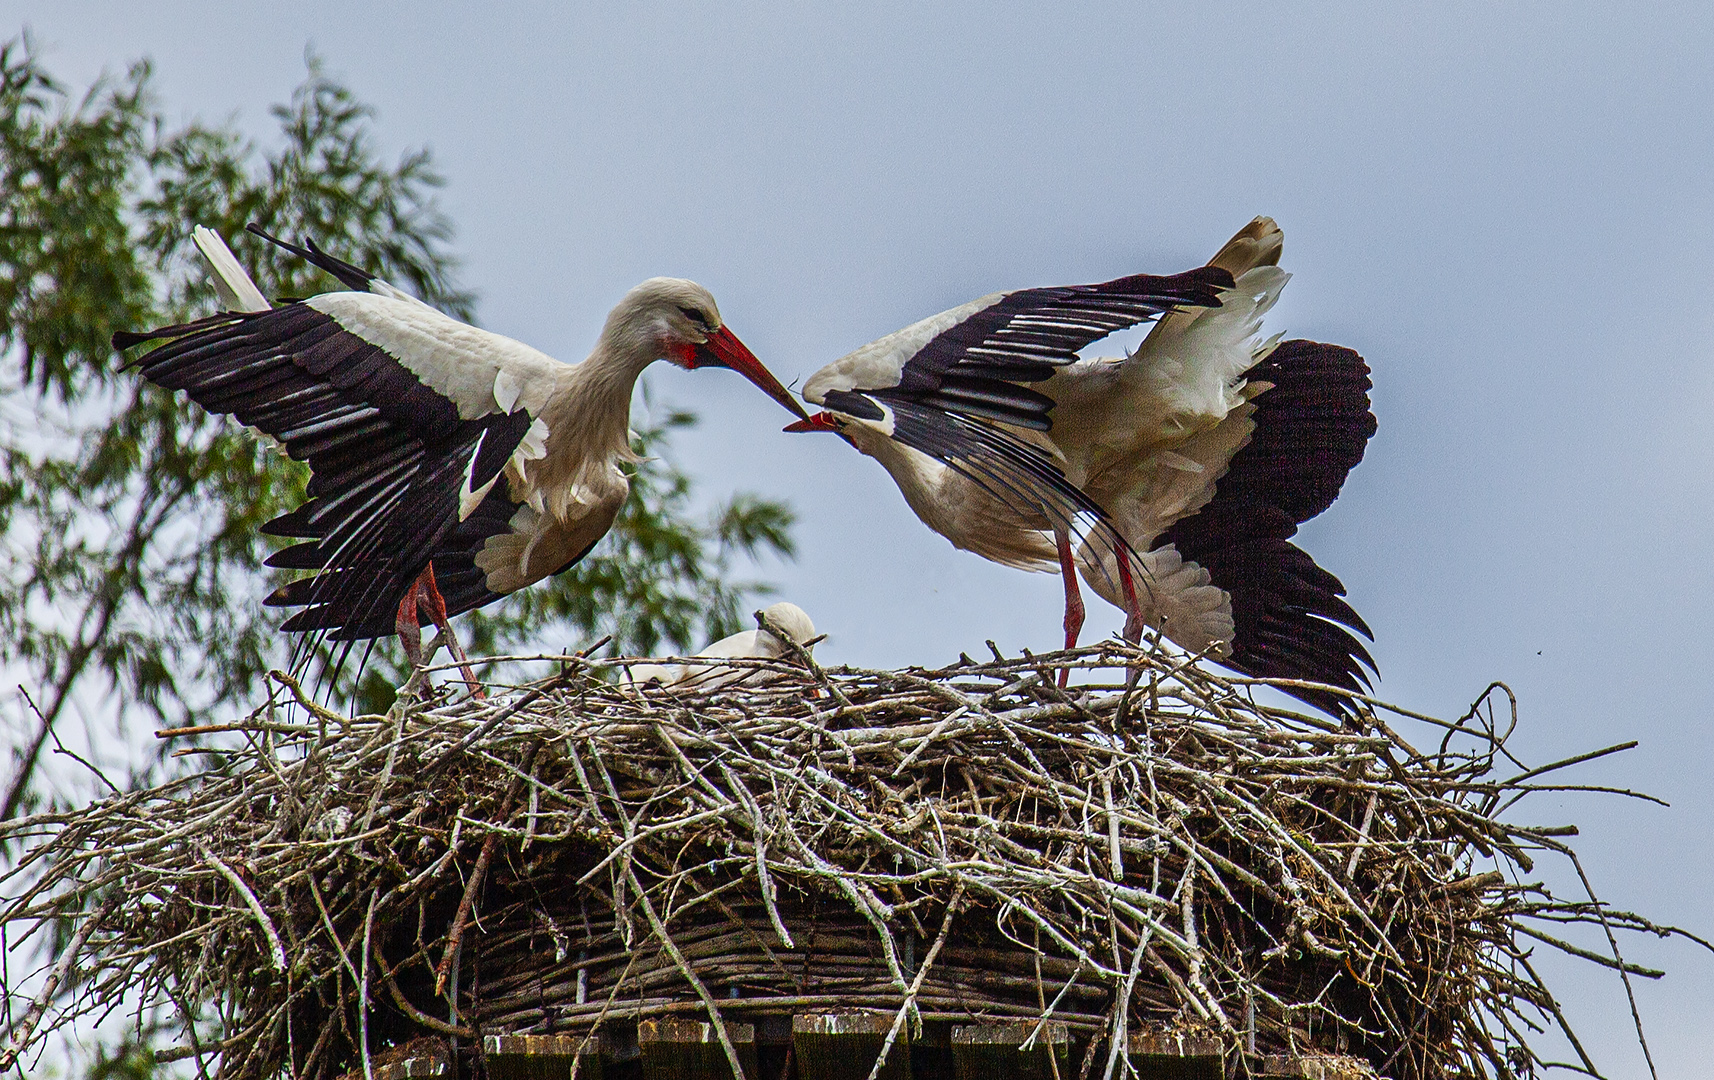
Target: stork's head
[(821, 421), (677, 320)]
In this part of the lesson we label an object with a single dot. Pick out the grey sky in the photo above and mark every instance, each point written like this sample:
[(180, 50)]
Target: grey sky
[(1506, 208)]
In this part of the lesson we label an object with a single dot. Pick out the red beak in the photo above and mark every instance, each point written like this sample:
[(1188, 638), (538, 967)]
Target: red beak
[(821, 421), (723, 349)]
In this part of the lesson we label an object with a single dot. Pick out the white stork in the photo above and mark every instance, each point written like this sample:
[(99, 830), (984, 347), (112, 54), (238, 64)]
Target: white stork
[(450, 466), (1181, 470)]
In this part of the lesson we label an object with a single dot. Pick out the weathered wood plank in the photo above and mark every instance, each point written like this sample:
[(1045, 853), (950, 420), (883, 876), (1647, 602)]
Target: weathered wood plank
[(995, 1051), (420, 1057), (844, 1046), (540, 1057), (675, 1049), (1175, 1055)]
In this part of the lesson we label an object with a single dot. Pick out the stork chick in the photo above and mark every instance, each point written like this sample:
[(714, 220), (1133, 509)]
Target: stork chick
[(757, 644)]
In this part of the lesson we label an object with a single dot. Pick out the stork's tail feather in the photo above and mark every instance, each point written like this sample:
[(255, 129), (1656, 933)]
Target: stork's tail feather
[(237, 291), (1257, 244)]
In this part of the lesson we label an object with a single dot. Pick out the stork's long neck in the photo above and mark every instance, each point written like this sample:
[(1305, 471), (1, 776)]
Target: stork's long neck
[(589, 417)]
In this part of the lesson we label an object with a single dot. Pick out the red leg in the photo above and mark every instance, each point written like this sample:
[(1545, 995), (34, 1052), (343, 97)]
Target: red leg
[(1073, 599), (427, 594), (409, 630), (1134, 622)]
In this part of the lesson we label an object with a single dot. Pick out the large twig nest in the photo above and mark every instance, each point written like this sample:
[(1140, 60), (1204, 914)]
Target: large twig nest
[(1149, 847)]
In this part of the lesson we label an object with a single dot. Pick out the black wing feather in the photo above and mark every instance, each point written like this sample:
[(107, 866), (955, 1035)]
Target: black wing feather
[(1289, 614), (388, 454), (1026, 334)]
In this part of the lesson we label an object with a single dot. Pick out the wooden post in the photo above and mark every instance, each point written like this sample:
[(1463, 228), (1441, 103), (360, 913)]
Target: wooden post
[(540, 1057), (1317, 1067), (674, 1049), (994, 1051), (844, 1046), (1163, 1055), (427, 1056)]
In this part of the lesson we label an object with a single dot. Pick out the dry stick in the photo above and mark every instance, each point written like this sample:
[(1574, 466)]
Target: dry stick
[(27, 1025), (401, 707), (1117, 860), (1613, 943), (908, 1006), (327, 921), (489, 845), (1049, 1010), (802, 656), (277, 951), (363, 989), (595, 1027), (1362, 835), (929, 739), (764, 880), (684, 967), (434, 1024), (530, 813), (1588, 954), (1117, 1037), (1577, 759), (306, 701), (243, 725)]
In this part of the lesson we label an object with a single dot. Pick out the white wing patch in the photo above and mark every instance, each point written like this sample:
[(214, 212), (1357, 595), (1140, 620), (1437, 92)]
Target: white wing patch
[(1146, 413), (507, 388), (1192, 370), (454, 359), (534, 445), (876, 365)]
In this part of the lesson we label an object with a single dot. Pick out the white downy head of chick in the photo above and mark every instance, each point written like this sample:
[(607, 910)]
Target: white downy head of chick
[(746, 644)]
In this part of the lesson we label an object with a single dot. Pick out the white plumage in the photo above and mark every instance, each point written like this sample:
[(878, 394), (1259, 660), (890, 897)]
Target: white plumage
[(746, 644)]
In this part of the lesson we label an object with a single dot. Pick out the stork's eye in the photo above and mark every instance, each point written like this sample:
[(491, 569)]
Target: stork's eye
[(696, 316)]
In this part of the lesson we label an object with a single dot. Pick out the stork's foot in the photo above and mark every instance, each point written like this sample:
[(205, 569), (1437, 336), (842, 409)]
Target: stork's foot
[(426, 595), (1074, 612)]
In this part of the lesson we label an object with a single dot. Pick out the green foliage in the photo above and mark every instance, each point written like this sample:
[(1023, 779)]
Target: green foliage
[(127, 1061), (129, 550)]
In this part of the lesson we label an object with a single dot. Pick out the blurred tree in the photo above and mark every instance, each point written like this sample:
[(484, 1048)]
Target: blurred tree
[(129, 553)]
